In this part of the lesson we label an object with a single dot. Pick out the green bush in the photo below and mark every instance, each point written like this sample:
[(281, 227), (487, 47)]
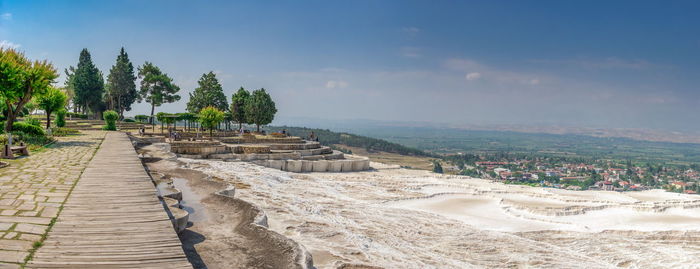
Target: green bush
[(32, 121), (77, 115), (129, 120), (110, 118), (27, 128), (61, 118), (63, 131), (141, 118), (30, 139)]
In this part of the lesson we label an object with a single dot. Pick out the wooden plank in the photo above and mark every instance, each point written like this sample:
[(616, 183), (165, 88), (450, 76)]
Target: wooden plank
[(113, 218)]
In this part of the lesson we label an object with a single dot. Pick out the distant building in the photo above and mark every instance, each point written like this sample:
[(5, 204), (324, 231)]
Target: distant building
[(605, 185)]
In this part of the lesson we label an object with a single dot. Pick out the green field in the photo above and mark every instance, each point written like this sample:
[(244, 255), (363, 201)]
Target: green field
[(452, 141)]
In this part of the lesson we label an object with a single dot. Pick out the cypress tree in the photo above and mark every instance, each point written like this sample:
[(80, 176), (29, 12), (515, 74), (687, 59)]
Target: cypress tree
[(88, 84), (237, 106), (121, 84), (209, 93)]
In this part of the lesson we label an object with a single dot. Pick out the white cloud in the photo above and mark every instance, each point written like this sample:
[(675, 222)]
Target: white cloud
[(410, 52), (411, 30), (473, 76), (332, 84), (9, 45), (6, 16), (490, 73)]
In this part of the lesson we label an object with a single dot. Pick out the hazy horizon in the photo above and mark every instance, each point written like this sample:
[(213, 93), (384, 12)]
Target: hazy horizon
[(625, 64)]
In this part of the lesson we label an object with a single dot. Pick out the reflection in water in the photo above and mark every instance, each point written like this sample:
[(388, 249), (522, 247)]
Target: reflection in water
[(191, 201)]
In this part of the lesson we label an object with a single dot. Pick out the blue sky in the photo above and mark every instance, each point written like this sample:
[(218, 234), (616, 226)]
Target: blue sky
[(631, 64)]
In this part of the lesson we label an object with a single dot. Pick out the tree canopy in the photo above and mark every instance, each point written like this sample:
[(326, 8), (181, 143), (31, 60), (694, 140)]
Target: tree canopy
[(210, 117), (87, 83), (52, 100), (209, 93), (156, 87), (260, 109), (237, 106), (20, 80), (121, 84)]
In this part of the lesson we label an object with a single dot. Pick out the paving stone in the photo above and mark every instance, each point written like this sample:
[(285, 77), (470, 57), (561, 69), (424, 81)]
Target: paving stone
[(9, 266), (10, 235), (12, 256), (30, 237), (8, 212), (19, 245)]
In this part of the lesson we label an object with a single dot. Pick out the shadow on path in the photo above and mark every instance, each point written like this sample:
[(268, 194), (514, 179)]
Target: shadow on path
[(189, 239)]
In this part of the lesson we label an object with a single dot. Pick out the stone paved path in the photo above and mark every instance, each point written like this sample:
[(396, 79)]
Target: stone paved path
[(113, 218), (32, 190)]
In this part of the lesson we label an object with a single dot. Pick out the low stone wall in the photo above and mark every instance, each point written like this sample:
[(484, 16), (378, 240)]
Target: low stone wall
[(296, 146), (261, 140), (352, 164), (200, 148), (255, 156)]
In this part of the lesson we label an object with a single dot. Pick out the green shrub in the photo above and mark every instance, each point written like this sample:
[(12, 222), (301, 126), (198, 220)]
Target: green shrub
[(63, 131), (61, 118), (32, 121), (30, 139), (110, 118), (77, 115), (27, 128), (141, 118), (129, 120)]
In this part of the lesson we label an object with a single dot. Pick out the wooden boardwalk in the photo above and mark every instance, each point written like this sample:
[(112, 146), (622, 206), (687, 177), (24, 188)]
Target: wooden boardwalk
[(112, 218)]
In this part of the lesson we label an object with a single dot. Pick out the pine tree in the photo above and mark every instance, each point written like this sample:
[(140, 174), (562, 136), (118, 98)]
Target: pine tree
[(88, 84), (237, 106), (121, 84), (209, 93), (156, 87), (260, 109)]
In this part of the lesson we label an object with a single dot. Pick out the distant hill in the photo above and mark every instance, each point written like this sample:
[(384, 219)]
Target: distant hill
[(328, 137)]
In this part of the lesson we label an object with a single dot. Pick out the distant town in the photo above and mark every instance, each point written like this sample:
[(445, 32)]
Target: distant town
[(578, 174)]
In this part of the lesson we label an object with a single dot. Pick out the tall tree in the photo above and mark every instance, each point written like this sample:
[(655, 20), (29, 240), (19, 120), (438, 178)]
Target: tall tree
[(121, 84), (209, 93), (156, 87), (68, 85), (51, 101), (20, 80), (88, 84), (260, 109), (237, 106)]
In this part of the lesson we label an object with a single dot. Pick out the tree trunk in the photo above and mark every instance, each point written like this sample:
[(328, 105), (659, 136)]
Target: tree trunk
[(48, 120), (211, 134), (8, 123), (258, 125), (240, 125), (153, 109)]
